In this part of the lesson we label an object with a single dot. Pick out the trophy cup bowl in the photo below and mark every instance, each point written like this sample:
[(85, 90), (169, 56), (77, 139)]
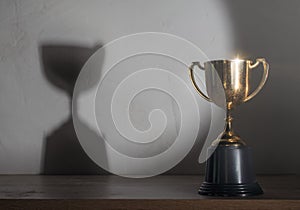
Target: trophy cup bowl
[(229, 169)]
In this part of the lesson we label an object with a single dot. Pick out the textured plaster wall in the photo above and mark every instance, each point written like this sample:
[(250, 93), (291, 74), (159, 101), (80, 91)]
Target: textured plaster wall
[(40, 38)]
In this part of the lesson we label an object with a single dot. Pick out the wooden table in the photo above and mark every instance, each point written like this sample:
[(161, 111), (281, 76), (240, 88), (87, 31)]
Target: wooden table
[(161, 192)]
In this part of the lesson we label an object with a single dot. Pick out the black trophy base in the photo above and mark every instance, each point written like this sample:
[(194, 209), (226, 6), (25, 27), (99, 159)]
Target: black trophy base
[(241, 190), (229, 172)]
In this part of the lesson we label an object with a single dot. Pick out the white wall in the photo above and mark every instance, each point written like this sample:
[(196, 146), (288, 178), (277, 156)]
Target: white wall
[(36, 133)]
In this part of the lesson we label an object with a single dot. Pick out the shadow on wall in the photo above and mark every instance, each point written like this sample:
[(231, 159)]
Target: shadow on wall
[(63, 153)]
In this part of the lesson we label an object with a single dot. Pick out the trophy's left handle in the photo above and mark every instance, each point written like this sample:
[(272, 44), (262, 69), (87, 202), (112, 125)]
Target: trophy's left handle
[(192, 76), (264, 77)]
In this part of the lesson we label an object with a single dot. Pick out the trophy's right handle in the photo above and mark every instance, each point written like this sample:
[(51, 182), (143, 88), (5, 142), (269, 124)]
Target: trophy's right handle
[(264, 77), (192, 76)]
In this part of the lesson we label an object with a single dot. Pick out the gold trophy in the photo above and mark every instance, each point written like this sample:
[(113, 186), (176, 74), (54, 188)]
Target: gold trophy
[(229, 170)]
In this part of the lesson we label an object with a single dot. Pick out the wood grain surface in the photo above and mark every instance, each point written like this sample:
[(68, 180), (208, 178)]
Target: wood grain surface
[(117, 193)]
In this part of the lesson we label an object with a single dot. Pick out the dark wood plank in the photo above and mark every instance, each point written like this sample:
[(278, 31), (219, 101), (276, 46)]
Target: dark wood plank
[(145, 204), (161, 192)]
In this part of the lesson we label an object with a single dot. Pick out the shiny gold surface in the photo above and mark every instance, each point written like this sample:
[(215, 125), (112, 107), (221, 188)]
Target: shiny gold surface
[(227, 85)]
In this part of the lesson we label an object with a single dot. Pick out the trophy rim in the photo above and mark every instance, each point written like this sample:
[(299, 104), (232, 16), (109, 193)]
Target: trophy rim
[(227, 60)]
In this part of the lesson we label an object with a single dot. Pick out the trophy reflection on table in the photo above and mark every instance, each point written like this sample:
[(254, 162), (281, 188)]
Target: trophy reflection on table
[(229, 169)]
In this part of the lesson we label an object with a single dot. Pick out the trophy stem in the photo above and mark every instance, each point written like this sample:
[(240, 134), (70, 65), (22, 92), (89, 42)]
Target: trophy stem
[(229, 119), (228, 137)]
